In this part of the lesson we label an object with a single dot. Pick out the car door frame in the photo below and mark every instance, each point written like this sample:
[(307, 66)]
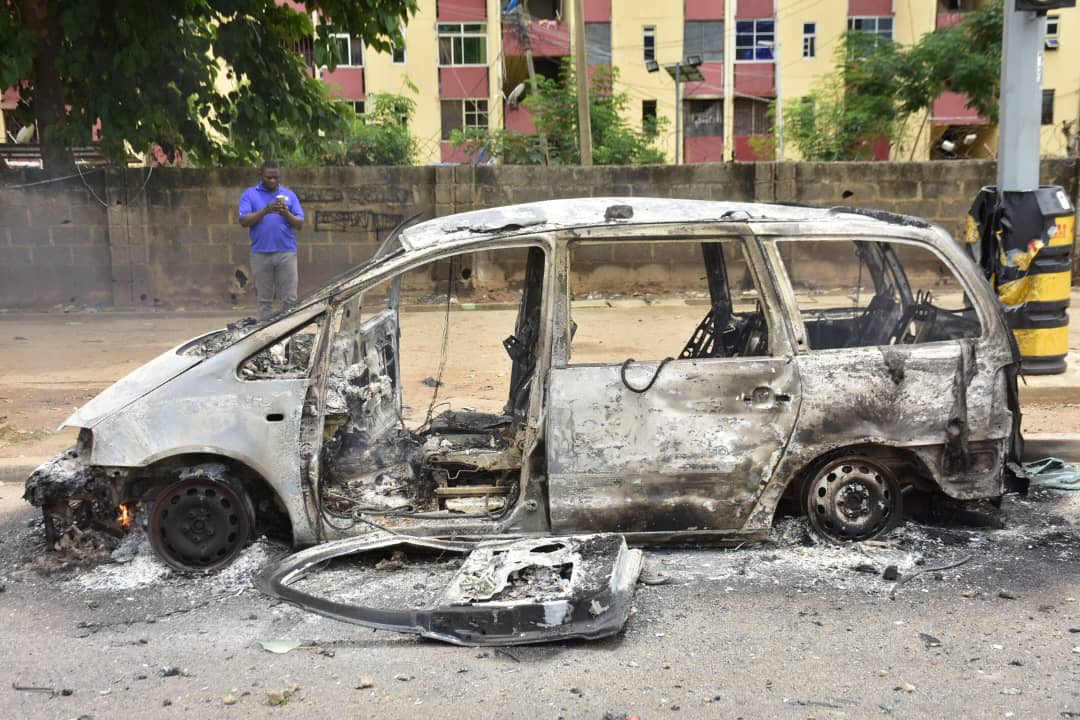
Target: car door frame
[(525, 516), (572, 508)]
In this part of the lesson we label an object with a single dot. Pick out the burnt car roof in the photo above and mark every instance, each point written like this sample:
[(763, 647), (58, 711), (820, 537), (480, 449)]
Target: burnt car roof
[(551, 215)]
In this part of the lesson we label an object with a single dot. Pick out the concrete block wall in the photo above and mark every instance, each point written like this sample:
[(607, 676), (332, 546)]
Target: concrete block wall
[(180, 241), (132, 238), (54, 243)]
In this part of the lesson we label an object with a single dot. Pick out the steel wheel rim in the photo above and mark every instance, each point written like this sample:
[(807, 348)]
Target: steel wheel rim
[(199, 524), (853, 499)]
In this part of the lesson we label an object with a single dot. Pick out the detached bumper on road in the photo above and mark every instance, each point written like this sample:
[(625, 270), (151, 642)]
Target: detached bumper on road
[(511, 592)]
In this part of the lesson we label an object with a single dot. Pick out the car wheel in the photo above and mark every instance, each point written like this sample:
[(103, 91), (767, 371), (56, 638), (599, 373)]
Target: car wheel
[(202, 522), (853, 498)]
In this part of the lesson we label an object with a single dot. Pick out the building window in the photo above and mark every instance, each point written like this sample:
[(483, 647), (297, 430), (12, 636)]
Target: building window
[(648, 43), (350, 50), (462, 115), (598, 43), (704, 118), (754, 40), (305, 48), (1048, 107), (1053, 24), (357, 106), (462, 44), (648, 117), (809, 40), (543, 9), (704, 38), (397, 56), (751, 117), (882, 26)]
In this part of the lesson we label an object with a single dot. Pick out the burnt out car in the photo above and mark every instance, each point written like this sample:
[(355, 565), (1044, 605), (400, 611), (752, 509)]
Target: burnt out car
[(664, 369)]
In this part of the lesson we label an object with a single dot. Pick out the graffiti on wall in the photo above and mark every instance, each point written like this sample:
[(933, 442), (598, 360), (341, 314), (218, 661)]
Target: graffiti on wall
[(342, 220), (363, 195)]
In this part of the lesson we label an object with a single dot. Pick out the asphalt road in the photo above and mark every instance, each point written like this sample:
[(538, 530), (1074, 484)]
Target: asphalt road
[(788, 629)]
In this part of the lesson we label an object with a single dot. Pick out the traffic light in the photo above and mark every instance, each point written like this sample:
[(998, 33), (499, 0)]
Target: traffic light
[(1043, 5)]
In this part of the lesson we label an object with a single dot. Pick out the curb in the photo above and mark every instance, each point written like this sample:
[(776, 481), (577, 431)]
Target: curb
[(1060, 445), (16, 470)]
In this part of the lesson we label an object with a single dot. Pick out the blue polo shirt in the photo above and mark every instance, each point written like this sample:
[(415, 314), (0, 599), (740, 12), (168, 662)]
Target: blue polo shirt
[(273, 233)]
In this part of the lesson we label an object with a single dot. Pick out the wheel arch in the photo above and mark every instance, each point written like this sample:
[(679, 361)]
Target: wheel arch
[(270, 509), (905, 464)]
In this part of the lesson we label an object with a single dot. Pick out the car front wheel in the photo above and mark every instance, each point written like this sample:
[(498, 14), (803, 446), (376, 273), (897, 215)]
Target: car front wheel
[(201, 522)]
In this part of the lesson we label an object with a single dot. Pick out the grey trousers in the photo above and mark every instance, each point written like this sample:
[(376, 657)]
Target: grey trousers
[(275, 274)]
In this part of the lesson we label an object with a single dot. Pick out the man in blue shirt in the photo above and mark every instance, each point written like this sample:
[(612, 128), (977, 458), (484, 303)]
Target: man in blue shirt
[(272, 214)]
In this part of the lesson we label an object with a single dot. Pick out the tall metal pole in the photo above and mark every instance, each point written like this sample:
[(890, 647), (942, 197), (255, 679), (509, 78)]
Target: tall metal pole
[(678, 112), (582, 72), (729, 79), (523, 32), (1021, 101), (779, 100)]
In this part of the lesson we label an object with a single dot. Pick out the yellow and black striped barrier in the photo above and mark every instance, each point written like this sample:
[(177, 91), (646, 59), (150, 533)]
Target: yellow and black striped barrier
[(1024, 241)]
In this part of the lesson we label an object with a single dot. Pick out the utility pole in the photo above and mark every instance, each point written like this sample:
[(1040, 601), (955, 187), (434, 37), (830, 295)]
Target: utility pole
[(581, 69), (1021, 234), (1021, 101), (680, 72), (779, 94), (729, 79), (520, 14), (678, 113), (775, 45)]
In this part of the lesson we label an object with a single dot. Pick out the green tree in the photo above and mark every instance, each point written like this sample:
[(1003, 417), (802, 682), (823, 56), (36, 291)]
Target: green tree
[(555, 113), (851, 107), (879, 86), (963, 58), (380, 137), (151, 72)]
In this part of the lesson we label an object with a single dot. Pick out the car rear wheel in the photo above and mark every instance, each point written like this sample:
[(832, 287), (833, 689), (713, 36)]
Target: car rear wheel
[(853, 498), (202, 522)]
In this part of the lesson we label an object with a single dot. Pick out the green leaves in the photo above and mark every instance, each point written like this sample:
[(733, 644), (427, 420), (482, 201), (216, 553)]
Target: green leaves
[(555, 114), (219, 79), (380, 137), (879, 85)]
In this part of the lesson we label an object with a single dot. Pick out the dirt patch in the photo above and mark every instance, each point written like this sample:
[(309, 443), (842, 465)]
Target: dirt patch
[(1048, 418)]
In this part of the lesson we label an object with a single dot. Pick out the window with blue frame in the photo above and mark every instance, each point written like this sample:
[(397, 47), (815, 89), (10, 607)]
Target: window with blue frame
[(755, 40)]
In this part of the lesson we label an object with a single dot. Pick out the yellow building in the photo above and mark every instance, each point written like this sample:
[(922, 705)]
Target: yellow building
[(469, 63)]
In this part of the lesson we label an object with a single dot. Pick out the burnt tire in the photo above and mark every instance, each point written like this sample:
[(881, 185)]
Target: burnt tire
[(202, 522), (853, 498)]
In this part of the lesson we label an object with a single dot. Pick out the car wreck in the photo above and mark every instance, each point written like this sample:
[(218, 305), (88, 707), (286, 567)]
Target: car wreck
[(836, 358)]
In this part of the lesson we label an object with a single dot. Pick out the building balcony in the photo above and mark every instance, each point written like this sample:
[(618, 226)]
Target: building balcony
[(756, 79), (711, 86), (951, 109), (346, 82), (464, 82), (745, 150), (703, 149), (519, 119), (546, 38), (949, 19)]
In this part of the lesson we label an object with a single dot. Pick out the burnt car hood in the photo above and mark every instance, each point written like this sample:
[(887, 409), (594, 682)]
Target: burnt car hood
[(132, 386), (509, 592)]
